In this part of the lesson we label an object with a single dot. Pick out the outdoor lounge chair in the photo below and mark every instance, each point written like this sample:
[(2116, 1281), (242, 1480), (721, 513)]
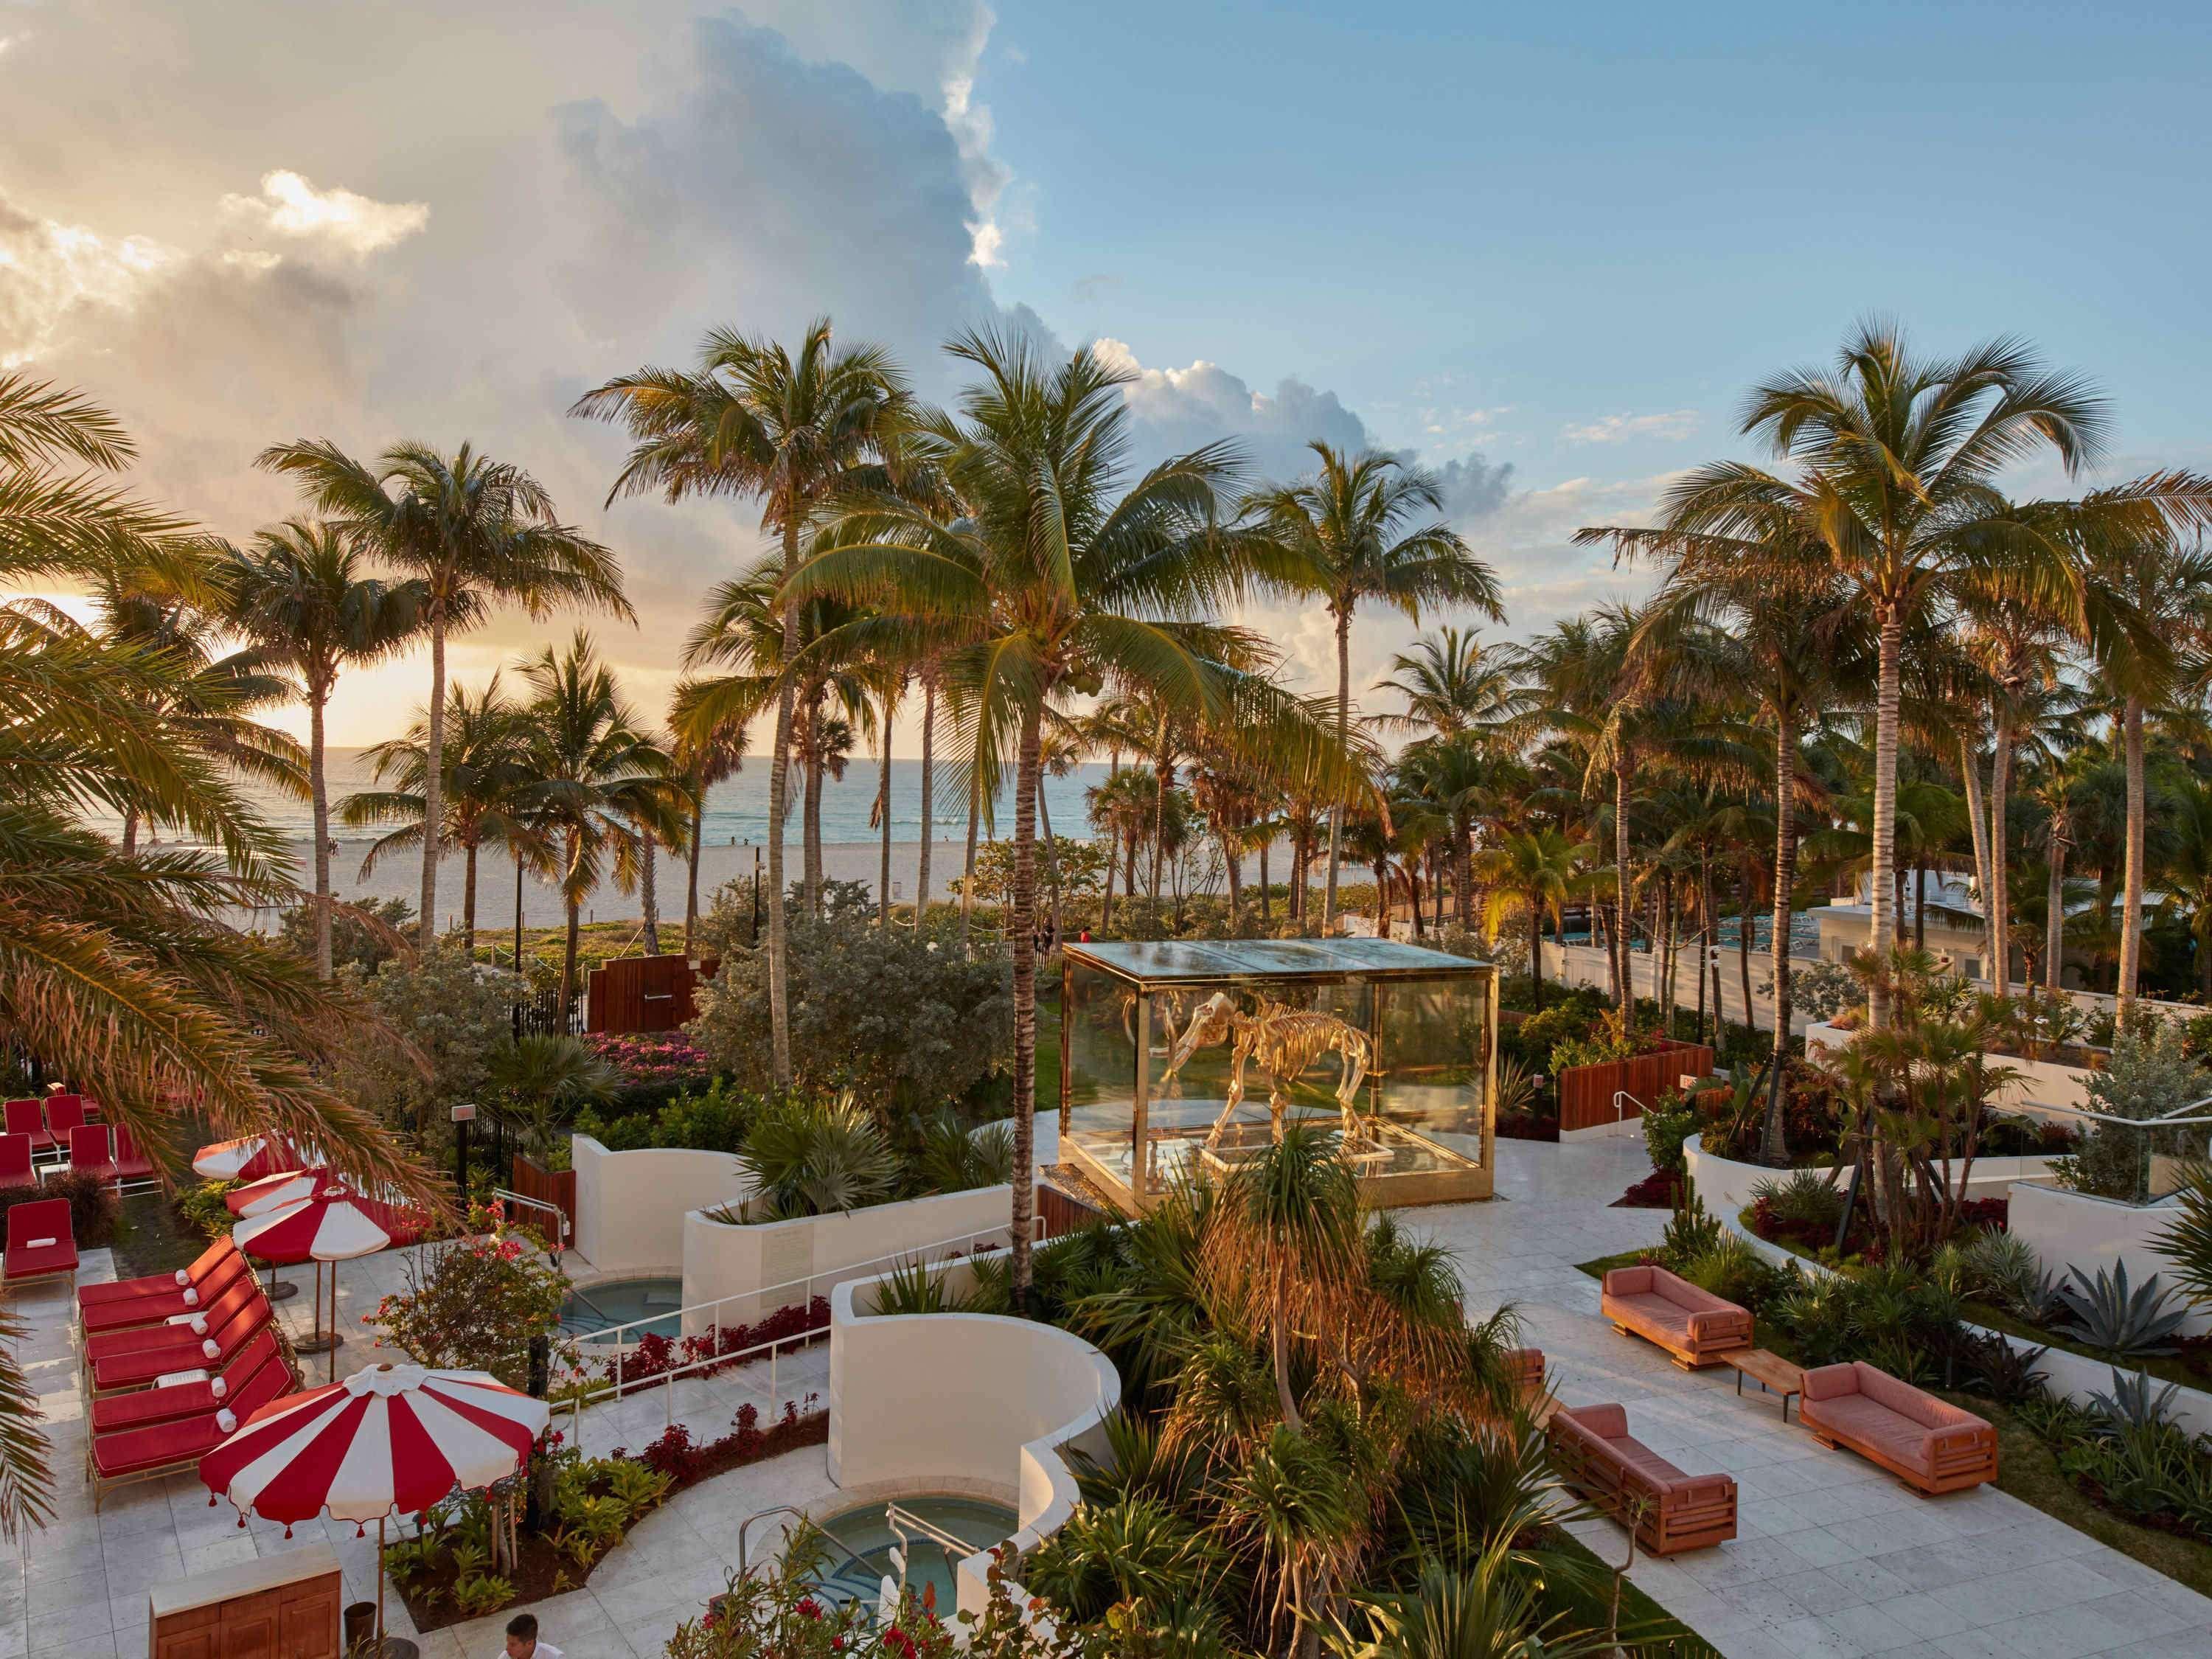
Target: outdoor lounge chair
[(1694, 1325), (202, 1267), (158, 1307), (41, 1243), (92, 1152), (131, 1163), (27, 1117), (193, 1393), (141, 1368), (176, 1448), (16, 1169), (1929, 1443), (216, 1312), (63, 1114), (1669, 1511)]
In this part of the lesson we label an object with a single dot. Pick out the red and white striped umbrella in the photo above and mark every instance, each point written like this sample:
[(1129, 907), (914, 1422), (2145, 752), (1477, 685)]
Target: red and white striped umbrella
[(248, 1159), (275, 1191), (326, 1225), (390, 1440)]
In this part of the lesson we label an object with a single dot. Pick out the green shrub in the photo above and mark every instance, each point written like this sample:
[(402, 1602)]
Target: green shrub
[(202, 1207), (92, 1202), (1690, 1233), (1666, 1127), (1735, 1271), (1803, 1198)]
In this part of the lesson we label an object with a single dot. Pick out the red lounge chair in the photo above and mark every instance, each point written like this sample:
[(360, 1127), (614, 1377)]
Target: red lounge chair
[(162, 1449), (196, 1398), (131, 1163), (92, 1152), (161, 1284), (40, 1243), (64, 1113), (143, 1367), (27, 1117), (129, 1312), (217, 1312), (16, 1169)]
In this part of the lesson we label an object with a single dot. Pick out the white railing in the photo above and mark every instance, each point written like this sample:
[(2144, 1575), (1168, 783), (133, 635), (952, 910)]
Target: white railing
[(559, 1230), (799, 1293)]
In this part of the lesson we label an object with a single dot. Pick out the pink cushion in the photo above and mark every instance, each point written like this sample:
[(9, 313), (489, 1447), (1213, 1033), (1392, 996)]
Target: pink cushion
[(1627, 1281)]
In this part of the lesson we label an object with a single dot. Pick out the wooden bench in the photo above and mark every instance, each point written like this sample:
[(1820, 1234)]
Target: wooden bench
[(1930, 1444), (1696, 1326)]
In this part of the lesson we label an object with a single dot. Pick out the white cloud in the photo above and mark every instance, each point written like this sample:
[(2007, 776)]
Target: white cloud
[(290, 206), (52, 274), (1615, 429), (1179, 409)]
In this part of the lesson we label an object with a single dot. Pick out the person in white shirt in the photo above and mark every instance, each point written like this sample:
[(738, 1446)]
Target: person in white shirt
[(522, 1641)]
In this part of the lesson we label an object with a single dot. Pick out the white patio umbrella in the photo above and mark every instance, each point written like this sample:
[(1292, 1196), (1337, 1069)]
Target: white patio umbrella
[(327, 1225)]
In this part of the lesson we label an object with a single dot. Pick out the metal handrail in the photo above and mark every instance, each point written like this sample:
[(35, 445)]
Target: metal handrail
[(1620, 1095), (560, 1231), (746, 1528)]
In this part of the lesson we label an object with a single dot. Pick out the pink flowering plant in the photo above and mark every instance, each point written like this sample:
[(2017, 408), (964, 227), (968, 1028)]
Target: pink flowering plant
[(653, 1057), (476, 1304)]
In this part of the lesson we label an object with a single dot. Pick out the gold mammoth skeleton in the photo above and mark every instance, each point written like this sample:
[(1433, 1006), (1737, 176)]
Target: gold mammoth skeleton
[(1285, 1041)]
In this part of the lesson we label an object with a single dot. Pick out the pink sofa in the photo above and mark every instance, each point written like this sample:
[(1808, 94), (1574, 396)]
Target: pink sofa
[(1694, 1325), (1929, 1443), (1669, 1511)]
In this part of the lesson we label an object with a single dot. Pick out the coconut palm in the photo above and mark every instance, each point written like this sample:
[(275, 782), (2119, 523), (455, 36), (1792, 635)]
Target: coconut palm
[(474, 531), (793, 430), (301, 593), (1540, 868), (598, 777), (486, 797), (1895, 457), (1358, 530), (1451, 684), (707, 758), (1065, 578)]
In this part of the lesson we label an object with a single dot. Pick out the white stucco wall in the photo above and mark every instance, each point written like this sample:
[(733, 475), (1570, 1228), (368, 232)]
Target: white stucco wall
[(2073, 1229), (2041, 1082), (630, 1205), (962, 1401), (1726, 1185), (734, 1267)]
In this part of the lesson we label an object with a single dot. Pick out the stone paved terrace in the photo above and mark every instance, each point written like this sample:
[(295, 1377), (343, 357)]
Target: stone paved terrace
[(1834, 1559)]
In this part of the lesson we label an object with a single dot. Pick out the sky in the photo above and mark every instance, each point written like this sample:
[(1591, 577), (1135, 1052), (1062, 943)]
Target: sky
[(1543, 251)]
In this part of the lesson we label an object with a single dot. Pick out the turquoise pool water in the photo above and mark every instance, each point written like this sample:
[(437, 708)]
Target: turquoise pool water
[(595, 1308), (866, 1532)]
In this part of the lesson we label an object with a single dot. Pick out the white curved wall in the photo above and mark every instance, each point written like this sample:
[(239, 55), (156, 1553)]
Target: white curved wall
[(630, 1205), (731, 1266), (964, 1400), (2041, 1083), (1726, 1185), (2073, 1229)]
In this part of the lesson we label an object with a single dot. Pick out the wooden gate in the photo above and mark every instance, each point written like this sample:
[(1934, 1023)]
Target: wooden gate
[(1586, 1093), (643, 994)]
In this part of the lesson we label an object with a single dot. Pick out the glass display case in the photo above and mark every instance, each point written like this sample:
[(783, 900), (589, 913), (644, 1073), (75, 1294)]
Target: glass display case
[(1182, 1056)]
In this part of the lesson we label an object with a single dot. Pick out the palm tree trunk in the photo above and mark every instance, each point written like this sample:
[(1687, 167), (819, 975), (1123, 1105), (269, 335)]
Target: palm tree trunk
[(576, 904), (2054, 925), (1704, 900), (1999, 903), (434, 778), (1711, 965), (1162, 781), (1536, 952), (648, 894), (1343, 733), (1279, 1324), (1232, 864), (1051, 855), (1771, 1148), (517, 910), (883, 806), (1624, 994), (1881, 877), (318, 789), (1112, 865), (1977, 821), (967, 871), (928, 794), (810, 819), (1023, 926), (779, 792), (469, 903), (130, 832), (691, 874), (1920, 907), (1744, 892), (2131, 894), (1266, 917)]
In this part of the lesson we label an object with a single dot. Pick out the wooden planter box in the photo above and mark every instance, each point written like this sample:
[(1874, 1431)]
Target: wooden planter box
[(554, 1187), (1586, 1093)]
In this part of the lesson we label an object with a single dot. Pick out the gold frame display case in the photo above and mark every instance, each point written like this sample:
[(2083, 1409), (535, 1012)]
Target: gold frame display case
[(1392, 1045)]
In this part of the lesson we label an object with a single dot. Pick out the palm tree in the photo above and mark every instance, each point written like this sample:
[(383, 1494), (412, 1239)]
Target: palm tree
[(299, 594), (1349, 533), (484, 799), (1059, 580), (794, 430), (1121, 806), (1895, 462), (1451, 684), (2185, 874), (1541, 867), (600, 777), (473, 531), (706, 760)]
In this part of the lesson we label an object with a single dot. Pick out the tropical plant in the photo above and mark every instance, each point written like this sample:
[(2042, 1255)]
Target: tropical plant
[(817, 1156), (472, 531), (2115, 1320), (475, 1305), (543, 1081), (299, 592)]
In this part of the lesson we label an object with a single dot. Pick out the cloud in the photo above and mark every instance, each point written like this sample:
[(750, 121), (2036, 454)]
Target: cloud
[(54, 277), (1474, 487), (289, 206), (1179, 409), (1616, 428)]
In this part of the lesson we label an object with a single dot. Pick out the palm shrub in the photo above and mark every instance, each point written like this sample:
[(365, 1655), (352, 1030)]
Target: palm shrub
[(817, 1156), (1733, 1269), (544, 1081), (1804, 1198)]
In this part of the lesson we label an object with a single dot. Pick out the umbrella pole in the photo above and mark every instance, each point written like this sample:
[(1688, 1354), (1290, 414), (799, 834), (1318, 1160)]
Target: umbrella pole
[(379, 1584), (334, 1321)]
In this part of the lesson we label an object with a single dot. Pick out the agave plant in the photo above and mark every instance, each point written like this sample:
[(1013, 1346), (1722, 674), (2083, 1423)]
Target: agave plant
[(2116, 1320), (2131, 1405)]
